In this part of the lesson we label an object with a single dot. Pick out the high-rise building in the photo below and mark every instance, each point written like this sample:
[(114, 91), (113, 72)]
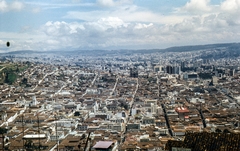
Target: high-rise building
[(169, 69), (133, 72), (215, 80), (232, 72), (176, 69), (173, 69), (158, 68), (183, 64)]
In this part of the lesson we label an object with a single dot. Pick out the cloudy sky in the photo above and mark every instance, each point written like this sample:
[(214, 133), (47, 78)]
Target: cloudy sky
[(116, 24)]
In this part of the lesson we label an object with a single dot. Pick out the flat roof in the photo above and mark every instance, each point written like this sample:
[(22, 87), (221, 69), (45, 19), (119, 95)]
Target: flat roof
[(103, 144), (34, 136)]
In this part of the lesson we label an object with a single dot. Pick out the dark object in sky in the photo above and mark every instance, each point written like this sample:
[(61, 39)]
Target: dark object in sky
[(8, 44)]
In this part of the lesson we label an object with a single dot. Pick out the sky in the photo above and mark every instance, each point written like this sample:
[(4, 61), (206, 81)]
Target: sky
[(44, 25)]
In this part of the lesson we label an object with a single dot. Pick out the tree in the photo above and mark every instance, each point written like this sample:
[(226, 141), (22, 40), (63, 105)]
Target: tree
[(3, 130), (10, 77), (76, 113), (124, 105), (226, 131), (24, 81), (29, 144), (17, 70), (218, 130)]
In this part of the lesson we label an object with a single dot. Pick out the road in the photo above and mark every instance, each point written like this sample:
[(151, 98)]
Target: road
[(131, 103), (33, 70), (230, 98), (202, 117), (2, 68), (40, 81), (130, 111), (114, 88), (164, 111), (93, 81), (167, 120), (68, 81)]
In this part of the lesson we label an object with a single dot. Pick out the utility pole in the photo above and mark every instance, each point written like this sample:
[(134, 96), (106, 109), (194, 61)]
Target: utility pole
[(87, 141), (56, 132), (3, 142), (38, 133), (23, 132)]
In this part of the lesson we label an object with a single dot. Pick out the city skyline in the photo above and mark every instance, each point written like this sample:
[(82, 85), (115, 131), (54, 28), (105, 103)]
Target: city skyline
[(119, 24)]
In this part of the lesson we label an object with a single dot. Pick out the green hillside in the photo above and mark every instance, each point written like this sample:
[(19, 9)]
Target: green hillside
[(9, 72)]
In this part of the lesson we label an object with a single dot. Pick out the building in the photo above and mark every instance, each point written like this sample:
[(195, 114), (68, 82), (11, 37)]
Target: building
[(214, 80), (158, 68), (105, 146), (176, 70), (182, 112), (169, 69), (173, 69), (133, 72), (232, 72)]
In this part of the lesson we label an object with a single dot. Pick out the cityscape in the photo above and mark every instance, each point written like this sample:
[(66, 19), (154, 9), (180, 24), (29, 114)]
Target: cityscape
[(179, 98), (119, 75)]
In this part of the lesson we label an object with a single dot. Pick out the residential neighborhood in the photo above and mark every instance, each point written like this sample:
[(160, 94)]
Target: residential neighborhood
[(117, 102)]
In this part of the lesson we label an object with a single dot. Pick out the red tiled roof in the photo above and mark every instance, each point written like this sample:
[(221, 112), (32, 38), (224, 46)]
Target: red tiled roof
[(181, 110)]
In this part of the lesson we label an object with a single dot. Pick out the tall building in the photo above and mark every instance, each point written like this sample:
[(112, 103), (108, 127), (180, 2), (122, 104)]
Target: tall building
[(176, 70), (169, 69), (173, 69), (214, 80), (232, 72), (183, 64), (133, 72), (158, 68)]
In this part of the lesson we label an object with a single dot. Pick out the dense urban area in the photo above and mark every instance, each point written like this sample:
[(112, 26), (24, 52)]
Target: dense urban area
[(121, 100)]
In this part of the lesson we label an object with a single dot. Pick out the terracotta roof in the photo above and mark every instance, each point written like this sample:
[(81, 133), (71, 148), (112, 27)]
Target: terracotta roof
[(181, 110)]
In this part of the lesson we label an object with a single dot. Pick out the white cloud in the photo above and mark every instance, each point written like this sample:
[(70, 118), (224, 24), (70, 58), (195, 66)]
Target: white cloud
[(107, 3), (139, 26), (127, 14), (112, 32), (23, 41), (58, 4), (36, 10), (231, 6), (13, 6), (104, 33), (197, 6), (129, 26), (111, 22), (202, 16), (3, 6), (111, 3), (17, 6), (76, 1), (60, 28), (2, 44), (229, 11)]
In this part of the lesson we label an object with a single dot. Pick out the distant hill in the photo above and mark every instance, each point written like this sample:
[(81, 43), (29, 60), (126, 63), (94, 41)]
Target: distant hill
[(228, 46), (18, 52), (201, 47)]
